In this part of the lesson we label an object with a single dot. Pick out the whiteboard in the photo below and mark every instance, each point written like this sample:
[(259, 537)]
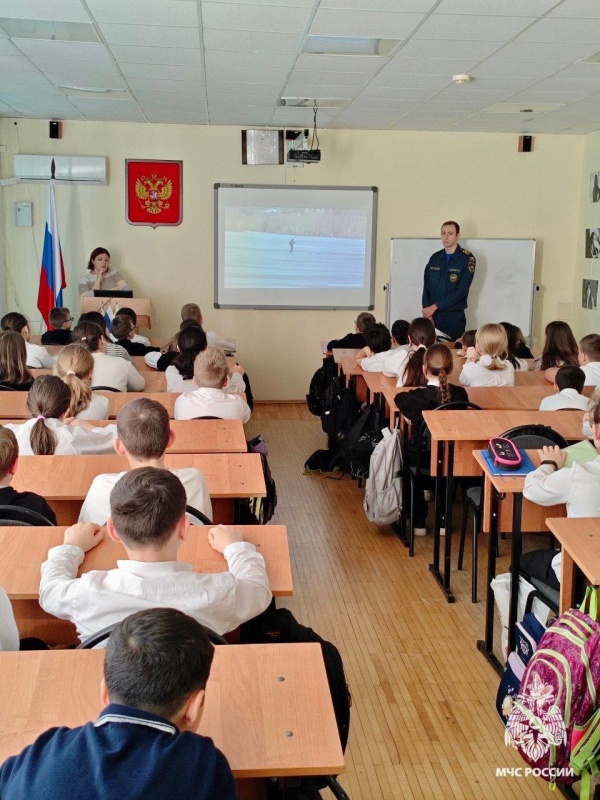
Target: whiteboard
[(503, 288)]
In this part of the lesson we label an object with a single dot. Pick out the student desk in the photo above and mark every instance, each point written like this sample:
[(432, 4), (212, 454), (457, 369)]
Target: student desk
[(342, 353), (23, 550), (12, 404), (530, 377), (454, 437), (155, 381), (64, 480), (268, 706), (580, 540), (505, 509)]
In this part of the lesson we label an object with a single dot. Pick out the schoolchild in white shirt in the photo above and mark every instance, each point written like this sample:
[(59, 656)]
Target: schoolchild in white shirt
[(192, 311), (37, 356), (589, 358), (400, 347), (115, 373), (487, 363), (568, 385), (377, 349), (143, 435), (208, 398), (75, 366), (147, 515), (407, 363), (50, 431)]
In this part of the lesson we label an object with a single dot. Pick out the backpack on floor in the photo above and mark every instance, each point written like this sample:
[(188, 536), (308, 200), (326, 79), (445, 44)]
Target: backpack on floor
[(318, 385), (558, 693), (280, 625), (353, 455), (383, 489)]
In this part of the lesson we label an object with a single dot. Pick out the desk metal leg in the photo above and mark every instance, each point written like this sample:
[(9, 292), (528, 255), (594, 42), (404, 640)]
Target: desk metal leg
[(486, 646), (443, 580), (516, 550)]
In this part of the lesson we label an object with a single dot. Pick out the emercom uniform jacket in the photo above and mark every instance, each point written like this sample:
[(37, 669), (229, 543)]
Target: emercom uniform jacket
[(447, 282)]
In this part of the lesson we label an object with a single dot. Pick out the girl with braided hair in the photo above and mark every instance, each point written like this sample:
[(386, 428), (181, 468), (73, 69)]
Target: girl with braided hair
[(437, 366)]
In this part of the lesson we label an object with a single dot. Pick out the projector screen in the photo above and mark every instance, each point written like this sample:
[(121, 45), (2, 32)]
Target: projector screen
[(294, 246)]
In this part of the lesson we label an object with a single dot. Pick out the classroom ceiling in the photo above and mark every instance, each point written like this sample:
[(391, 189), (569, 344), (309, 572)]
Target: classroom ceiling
[(216, 62)]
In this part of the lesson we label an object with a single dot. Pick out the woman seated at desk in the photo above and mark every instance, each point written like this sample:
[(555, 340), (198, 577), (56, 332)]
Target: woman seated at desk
[(100, 276)]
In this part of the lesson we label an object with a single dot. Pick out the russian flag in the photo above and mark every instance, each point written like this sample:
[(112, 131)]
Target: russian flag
[(52, 273)]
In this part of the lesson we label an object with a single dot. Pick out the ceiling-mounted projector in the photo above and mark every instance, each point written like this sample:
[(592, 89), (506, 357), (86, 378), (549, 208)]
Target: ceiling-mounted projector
[(306, 156)]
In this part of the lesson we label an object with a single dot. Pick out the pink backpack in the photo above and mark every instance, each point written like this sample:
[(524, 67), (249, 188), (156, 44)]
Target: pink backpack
[(558, 693)]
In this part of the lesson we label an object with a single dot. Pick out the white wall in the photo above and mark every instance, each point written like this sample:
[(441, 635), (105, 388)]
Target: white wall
[(423, 178)]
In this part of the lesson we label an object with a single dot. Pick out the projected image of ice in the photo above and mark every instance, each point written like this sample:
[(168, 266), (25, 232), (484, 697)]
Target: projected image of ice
[(275, 248)]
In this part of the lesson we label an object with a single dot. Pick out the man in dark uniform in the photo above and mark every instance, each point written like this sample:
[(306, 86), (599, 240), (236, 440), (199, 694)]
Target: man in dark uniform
[(446, 283)]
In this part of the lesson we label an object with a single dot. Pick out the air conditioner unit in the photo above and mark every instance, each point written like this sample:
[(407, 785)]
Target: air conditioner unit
[(85, 170)]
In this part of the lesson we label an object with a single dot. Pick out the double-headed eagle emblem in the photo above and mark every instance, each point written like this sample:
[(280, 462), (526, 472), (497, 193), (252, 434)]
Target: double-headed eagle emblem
[(153, 192)]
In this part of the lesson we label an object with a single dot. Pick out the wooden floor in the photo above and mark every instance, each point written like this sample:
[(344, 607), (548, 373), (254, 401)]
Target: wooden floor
[(423, 721)]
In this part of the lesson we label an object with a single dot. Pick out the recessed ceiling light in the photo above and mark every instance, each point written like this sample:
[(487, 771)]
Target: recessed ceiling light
[(309, 102), (461, 78), (95, 94), (349, 46), (49, 29), (517, 108)]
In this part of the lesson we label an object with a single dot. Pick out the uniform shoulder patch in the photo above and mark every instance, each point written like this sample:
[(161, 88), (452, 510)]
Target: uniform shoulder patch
[(471, 264), (467, 252)]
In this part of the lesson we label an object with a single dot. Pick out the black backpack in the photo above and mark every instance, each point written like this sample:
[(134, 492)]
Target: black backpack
[(353, 455), (259, 510), (280, 625), (318, 385)]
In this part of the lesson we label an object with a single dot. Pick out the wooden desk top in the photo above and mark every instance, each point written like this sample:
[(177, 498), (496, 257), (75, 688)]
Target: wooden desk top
[(12, 404), (530, 378), (482, 425), (350, 366), (506, 484), (24, 549), (340, 353), (228, 475), (580, 537), (248, 710)]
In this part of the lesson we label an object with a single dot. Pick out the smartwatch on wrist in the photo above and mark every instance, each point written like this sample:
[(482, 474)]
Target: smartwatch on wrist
[(552, 463)]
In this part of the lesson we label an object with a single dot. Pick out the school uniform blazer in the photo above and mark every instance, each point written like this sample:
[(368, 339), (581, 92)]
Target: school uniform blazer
[(126, 754), (426, 398)]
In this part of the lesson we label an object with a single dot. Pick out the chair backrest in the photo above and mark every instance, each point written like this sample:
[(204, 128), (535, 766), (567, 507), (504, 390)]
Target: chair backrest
[(423, 438), (529, 437), (5, 388), (207, 417), (17, 515), (198, 518), (97, 638), (104, 389)]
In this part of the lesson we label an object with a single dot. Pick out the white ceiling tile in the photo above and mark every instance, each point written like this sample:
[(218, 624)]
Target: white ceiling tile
[(484, 28), (150, 35), (108, 106), (448, 105), (177, 118), (177, 56), (532, 96), (7, 48), (16, 64), (168, 72), (446, 49), (74, 76), (441, 116), (577, 8), (114, 116), (338, 22), (242, 91), (268, 76), (468, 94), (217, 59), (45, 48), (582, 129), (498, 69), (563, 30), (8, 111), (251, 41), (544, 51), (61, 10), (401, 95), (232, 16), (52, 66), (282, 3), (432, 66), (325, 90), (155, 101), (405, 124), (410, 80), (187, 88), (366, 103), (402, 6), (571, 83), (352, 79), (326, 63), (507, 84), (146, 12), (506, 8)]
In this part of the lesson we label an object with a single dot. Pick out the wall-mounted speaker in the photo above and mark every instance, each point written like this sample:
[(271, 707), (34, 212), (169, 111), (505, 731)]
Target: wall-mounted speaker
[(525, 144), (55, 130)]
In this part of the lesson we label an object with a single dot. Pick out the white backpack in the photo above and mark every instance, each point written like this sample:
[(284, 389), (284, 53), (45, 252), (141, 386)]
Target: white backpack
[(383, 488)]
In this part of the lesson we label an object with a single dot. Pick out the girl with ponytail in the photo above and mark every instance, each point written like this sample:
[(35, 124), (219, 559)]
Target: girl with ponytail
[(487, 363), (437, 366), (421, 335), (75, 366), (50, 431)]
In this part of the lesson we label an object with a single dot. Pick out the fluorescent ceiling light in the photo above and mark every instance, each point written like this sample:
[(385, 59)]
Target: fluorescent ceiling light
[(307, 102), (522, 108), (349, 46), (95, 94), (48, 29)]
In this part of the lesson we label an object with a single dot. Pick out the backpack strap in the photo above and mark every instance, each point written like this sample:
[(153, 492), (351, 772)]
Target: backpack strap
[(590, 603)]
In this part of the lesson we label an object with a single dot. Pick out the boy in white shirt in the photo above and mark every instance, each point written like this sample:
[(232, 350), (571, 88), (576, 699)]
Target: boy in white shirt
[(589, 358), (568, 385), (37, 356), (192, 311), (148, 517), (378, 348), (208, 398), (143, 435)]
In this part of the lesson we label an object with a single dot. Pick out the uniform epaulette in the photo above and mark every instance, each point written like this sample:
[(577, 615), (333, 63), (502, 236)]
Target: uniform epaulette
[(466, 252)]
